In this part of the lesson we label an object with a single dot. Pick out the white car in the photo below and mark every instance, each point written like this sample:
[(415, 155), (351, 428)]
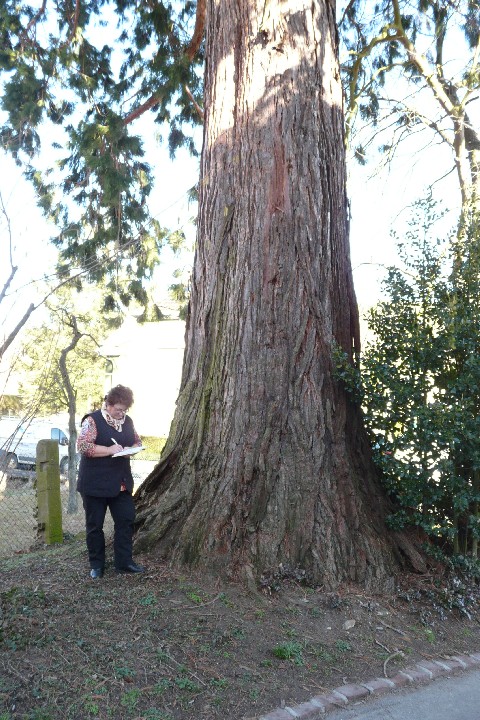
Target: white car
[(19, 439)]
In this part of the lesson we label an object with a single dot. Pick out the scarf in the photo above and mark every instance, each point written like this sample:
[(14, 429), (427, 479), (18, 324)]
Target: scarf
[(113, 422)]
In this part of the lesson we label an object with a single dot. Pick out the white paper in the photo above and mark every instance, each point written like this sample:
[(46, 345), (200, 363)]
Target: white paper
[(129, 451)]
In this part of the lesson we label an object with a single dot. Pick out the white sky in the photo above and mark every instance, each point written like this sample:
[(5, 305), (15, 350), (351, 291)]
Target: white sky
[(381, 204), (378, 204), (31, 232)]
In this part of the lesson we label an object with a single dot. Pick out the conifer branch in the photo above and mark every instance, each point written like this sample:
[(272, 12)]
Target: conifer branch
[(147, 105), (195, 42), (35, 19)]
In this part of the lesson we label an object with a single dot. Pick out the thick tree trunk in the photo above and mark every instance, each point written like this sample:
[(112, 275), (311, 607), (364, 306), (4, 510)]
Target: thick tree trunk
[(267, 461)]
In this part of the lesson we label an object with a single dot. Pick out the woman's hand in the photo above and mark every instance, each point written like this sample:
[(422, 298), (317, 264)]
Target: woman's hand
[(106, 451)]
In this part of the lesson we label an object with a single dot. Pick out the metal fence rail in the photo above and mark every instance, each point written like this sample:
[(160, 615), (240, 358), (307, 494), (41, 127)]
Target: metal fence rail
[(18, 509)]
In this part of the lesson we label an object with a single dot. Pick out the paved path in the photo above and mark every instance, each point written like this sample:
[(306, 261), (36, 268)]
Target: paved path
[(444, 689), (454, 698)]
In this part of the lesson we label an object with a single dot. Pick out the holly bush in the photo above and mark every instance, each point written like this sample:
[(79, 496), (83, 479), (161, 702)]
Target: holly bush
[(418, 381)]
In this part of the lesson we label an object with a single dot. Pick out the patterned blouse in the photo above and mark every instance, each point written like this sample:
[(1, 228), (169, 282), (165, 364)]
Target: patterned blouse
[(88, 435)]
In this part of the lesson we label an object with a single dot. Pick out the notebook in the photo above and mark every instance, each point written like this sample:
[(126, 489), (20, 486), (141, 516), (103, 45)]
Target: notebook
[(129, 451)]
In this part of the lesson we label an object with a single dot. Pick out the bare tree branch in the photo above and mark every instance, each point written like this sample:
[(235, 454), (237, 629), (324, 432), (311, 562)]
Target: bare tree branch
[(76, 337), (345, 12), (8, 283), (7, 218), (462, 138), (196, 105), (16, 330)]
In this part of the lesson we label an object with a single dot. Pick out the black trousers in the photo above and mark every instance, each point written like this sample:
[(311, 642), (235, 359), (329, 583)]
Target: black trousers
[(122, 510)]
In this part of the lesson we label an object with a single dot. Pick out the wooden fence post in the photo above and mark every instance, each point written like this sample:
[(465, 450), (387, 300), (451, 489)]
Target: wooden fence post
[(48, 492)]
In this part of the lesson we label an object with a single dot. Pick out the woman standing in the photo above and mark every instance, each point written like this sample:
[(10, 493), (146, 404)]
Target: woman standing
[(106, 481)]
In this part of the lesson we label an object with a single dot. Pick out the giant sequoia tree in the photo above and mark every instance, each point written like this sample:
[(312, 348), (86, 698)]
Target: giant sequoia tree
[(267, 460)]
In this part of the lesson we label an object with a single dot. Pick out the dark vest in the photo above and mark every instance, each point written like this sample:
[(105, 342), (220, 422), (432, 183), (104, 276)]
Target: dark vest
[(103, 476)]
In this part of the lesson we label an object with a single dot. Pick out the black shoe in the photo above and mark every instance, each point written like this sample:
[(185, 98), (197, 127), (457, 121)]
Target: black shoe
[(131, 568), (96, 573)]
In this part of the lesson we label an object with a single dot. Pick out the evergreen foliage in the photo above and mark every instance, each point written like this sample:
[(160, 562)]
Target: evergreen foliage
[(419, 382), (82, 74)]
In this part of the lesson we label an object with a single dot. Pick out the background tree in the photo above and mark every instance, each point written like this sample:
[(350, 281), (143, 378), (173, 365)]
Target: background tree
[(7, 340), (414, 67), (63, 371), (41, 380)]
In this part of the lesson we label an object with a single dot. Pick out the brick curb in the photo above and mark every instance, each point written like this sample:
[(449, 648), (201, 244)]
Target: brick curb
[(421, 672)]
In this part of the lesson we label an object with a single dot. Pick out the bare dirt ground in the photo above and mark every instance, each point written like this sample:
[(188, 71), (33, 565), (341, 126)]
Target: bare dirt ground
[(168, 645)]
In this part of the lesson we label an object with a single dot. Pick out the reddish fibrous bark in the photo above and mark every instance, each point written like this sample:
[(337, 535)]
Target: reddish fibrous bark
[(267, 462)]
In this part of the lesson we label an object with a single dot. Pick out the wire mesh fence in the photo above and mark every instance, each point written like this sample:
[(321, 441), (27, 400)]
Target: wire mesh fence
[(18, 509)]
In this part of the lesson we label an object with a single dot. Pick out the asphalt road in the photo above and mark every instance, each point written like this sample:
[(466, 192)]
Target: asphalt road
[(452, 698)]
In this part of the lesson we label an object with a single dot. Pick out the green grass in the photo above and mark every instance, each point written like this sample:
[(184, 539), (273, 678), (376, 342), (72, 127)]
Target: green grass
[(129, 699), (430, 635), (289, 651), (184, 683), (154, 447)]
